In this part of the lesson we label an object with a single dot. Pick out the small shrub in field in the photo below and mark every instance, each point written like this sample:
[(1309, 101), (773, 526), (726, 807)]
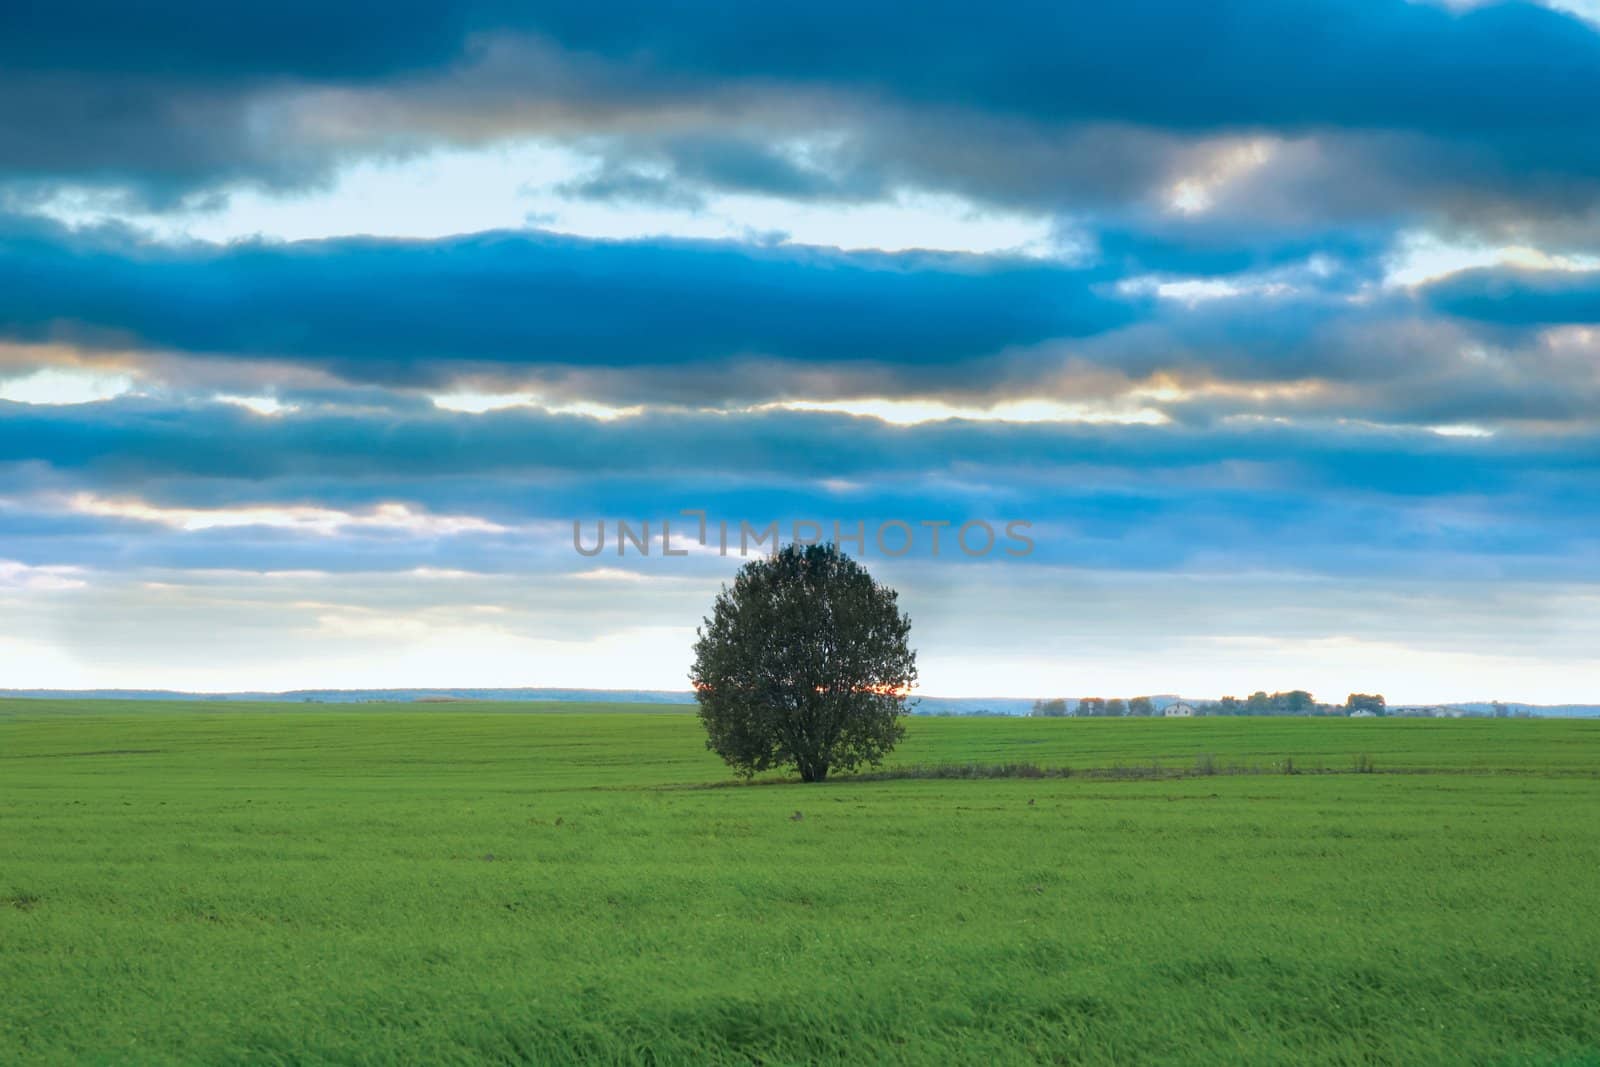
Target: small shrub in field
[(1205, 765), (1363, 764), (967, 770), (21, 901)]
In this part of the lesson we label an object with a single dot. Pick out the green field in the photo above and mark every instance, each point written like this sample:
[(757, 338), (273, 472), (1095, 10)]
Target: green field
[(200, 883)]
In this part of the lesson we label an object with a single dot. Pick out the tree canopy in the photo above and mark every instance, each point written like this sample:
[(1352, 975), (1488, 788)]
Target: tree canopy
[(803, 662), (1372, 702)]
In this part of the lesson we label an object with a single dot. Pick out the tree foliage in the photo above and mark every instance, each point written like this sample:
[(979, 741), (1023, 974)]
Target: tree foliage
[(1294, 702), (804, 662)]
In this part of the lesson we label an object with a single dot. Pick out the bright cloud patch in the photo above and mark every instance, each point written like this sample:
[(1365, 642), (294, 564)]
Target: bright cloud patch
[(261, 405), (324, 522), (1196, 192), (476, 403), (1421, 258), (446, 193), (64, 385), (912, 412), (22, 576)]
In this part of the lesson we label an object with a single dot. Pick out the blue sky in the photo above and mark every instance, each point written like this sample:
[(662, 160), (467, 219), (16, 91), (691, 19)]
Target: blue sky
[(1278, 322)]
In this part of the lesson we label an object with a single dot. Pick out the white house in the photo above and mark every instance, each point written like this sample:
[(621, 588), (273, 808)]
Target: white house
[(1363, 714), (1179, 710)]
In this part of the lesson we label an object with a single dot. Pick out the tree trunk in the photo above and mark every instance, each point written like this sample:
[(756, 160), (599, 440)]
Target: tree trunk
[(813, 772)]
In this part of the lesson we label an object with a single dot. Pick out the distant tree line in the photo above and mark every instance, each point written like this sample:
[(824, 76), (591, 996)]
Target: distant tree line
[(1292, 702), (1095, 707)]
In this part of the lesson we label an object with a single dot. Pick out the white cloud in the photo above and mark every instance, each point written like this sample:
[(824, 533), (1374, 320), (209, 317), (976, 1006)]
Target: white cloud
[(1421, 257), (911, 412), (325, 522), (611, 574), (1462, 429), (513, 186), (1588, 10), (479, 402), (15, 575), (65, 385), (261, 405), (1194, 291), (1219, 165)]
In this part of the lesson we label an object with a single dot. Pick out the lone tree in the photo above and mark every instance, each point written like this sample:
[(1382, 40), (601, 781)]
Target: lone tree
[(803, 663)]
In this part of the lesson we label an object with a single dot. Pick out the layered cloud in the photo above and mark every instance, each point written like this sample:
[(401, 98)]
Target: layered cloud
[(157, 484), (1426, 108), (385, 308), (566, 322), (1280, 323)]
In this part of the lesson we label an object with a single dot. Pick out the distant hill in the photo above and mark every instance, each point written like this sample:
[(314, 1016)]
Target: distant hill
[(970, 706), (922, 705), (1564, 711), (925, 705), (360, 696)]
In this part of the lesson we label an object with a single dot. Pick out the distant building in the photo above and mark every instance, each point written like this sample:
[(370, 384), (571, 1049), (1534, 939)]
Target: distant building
[(1179, 710), (1363, 714)]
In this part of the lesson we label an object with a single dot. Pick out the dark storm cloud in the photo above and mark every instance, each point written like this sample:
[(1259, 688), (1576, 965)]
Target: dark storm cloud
[(383, 308), (165, 97), (220, 43), (1380, 110), (1236, 63), (711, 324), (1069, 105), (1514, 297)]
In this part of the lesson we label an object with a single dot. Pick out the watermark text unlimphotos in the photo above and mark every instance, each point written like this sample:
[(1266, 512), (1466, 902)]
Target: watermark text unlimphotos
[(893, 537)]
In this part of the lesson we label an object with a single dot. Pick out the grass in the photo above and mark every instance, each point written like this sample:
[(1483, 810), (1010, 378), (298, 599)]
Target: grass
[(533, 884)]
